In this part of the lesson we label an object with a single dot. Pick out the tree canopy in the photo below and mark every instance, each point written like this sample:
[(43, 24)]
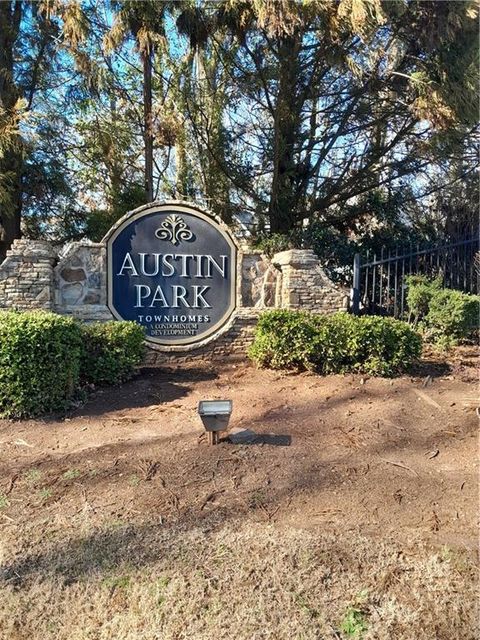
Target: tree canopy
[(349, 116)]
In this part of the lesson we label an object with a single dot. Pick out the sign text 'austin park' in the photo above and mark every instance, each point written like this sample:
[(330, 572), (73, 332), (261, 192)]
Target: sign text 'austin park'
[(172, 268)]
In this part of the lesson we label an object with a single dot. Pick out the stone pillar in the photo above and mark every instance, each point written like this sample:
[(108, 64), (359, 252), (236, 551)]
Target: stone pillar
[(80, 279), (305, 285), (26, 275), (260, 281)]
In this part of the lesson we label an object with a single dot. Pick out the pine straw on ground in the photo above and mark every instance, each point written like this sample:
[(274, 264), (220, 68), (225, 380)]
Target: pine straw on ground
[(242, 581)]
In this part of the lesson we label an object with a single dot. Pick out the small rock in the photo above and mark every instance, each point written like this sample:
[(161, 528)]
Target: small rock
[(73, 275)]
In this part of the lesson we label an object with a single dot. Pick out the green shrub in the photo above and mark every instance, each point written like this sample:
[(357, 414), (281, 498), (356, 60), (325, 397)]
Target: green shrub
[(334, 344), (39, 362), (270, 244), (285, 340), (446, 316), (112, 350), (419, 294), (43, 357), (452, 316), (381, 346)]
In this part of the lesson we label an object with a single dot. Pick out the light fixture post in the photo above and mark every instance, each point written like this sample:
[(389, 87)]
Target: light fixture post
[(215, 415)]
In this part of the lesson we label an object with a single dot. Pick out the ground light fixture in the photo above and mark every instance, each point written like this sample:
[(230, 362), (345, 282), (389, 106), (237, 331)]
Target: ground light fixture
[(215, 415)]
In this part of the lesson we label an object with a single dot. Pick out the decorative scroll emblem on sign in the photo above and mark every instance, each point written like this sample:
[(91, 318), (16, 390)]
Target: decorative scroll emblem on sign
[(172, 268), (175, 229)]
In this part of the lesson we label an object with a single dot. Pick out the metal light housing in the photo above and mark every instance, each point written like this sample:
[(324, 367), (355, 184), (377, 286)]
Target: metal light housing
[(215, 415)]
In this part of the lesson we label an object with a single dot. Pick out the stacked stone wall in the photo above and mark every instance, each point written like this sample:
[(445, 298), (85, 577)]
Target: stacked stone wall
[(232, 343), (26, 276), (305, 285), (80, 278), (72, 280)]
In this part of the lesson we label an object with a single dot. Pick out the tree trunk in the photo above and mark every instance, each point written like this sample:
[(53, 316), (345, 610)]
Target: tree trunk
[(148, 123), (10, 220), (283, 205), (11, 165)]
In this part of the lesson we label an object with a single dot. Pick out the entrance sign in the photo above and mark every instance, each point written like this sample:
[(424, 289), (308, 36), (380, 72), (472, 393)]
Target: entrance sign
[(172, 268)]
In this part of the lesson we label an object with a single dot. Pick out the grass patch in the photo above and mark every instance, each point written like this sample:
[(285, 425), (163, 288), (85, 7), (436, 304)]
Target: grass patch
[(139, 581), (71, 474), (134, 480), (45, 493), (33, 476), (354, 623), (118, 582)]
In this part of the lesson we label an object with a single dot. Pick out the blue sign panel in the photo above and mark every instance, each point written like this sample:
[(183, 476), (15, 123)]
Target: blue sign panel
[(172, 268)]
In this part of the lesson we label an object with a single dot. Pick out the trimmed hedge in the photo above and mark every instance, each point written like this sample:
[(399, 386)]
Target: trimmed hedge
[(284, 340), (334, 344), (39, 362), (446, 316), (44, 358), (112, 350)]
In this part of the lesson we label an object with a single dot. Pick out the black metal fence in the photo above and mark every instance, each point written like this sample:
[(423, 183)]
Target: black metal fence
[(379, 285)]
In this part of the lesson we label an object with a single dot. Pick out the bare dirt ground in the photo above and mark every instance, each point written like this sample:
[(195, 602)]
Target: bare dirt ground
[(353, 510)]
